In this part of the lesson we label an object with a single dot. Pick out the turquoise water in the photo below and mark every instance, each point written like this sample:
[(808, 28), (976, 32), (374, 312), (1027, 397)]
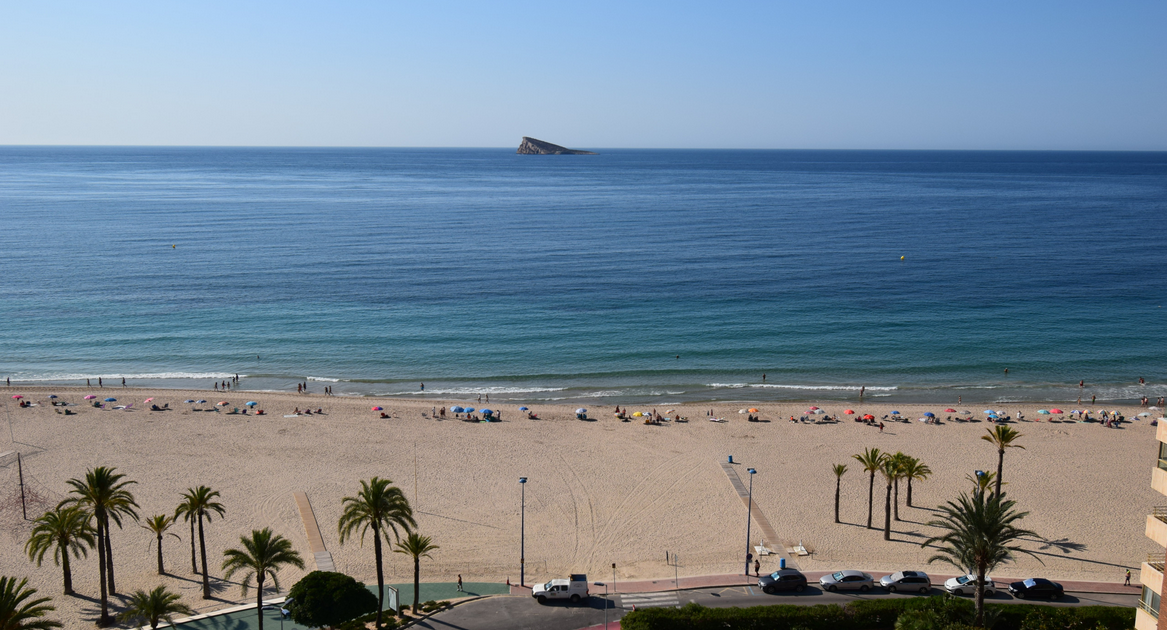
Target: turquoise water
[(585, 278)]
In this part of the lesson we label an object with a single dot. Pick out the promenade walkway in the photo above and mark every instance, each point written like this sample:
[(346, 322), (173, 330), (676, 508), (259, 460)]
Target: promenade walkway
[(315, 542)]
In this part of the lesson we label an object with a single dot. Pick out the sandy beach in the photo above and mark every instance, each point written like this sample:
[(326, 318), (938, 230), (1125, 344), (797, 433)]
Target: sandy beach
[(600, 492)]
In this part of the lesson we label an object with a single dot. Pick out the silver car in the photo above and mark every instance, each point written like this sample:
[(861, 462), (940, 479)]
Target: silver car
[(967, 585), (847, 581), (906, 581)]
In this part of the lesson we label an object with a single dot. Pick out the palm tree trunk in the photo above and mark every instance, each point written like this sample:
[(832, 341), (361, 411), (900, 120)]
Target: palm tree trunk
[(838, 483), (104, 620), (870, 497), (416, 580), (203, 550), (380, 575), (980, 597), (909, 492), (161, 570), (194, 565), (259, 598), (65, 569), (1000, 465), (896, 503), (109, 559), (887, 514)]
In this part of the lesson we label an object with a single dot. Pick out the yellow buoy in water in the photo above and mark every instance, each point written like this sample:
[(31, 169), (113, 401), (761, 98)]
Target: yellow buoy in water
[(901, 257)]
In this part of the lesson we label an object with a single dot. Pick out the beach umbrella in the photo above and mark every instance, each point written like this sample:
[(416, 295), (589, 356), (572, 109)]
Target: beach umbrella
[(111, 400), (1043, 412), (580, 410), (1056, 411), (188, 401), (522, 408), (17, 397), (950, 410), (819, 412), (457, 409), (637, 415), (990, 411), (250, 403), (850, 412), (752, 410), (200, 402), (90, 397), (488, 412), (377, 409), (468, 410), (52, 395), (221, 403), (929, 414), (151, 399), (895, 412), (868, 417), (812, 408), (1144, 414)]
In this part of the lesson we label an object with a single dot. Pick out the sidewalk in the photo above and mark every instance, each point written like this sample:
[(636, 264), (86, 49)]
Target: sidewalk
[(715, 581)]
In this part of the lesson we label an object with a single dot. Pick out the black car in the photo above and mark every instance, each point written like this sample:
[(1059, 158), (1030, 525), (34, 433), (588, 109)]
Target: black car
[(1036, 588), (783, 580)]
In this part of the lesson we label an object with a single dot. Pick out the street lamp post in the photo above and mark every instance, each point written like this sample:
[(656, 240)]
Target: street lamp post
[(523, 533), (605, 603), (749, 517)]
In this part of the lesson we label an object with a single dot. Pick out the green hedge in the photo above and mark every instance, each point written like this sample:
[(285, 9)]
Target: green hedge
[(938, 612)]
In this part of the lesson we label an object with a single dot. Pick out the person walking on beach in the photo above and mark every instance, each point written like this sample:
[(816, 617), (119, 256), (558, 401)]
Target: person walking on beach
[(423, 387), (1092, 398), (99, 383), (460, 580), (881, 427), (87, 383), (862, 389)]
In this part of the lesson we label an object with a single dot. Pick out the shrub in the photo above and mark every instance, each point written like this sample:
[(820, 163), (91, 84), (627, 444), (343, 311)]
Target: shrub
[(324, 598)]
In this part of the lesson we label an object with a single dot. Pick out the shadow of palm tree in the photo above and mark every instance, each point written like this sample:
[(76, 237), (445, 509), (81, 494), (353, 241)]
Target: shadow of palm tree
[(1063, 545)]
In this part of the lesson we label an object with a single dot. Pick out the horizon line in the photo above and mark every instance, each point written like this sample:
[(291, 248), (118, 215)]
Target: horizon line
[(491, 148)]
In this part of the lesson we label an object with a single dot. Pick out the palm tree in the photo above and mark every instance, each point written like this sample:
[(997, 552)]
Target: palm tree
[(872, 460), (914, 469), (901, 463), (187, 512), (982, 482), (200, 503), (979, 535), (890, 469), (381, 507), (65, 531), (1002, 436), (158, 524), (417, 546), (262, 556), (104, 493), (153, 607), (18, 614), (839, 470)]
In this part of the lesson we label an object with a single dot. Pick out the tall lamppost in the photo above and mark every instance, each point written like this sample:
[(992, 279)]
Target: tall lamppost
[(523, 533), (749, 517), (605, 603)]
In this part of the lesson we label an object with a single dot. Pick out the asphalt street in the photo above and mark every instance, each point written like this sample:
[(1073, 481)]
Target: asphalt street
[(524, 613)]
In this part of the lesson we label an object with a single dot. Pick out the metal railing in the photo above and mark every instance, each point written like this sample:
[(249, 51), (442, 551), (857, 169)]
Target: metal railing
[(1147, 608), (1157, 560), (1160, 512)]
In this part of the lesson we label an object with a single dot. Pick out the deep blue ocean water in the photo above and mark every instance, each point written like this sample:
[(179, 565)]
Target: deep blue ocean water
[(585, 277)]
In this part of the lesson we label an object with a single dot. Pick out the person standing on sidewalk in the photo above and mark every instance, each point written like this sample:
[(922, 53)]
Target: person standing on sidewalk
[(1127, 582), (460, 581), (757, 567)]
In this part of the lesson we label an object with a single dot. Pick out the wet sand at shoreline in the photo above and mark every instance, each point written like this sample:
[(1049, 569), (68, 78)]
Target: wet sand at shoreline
[(600, 491)]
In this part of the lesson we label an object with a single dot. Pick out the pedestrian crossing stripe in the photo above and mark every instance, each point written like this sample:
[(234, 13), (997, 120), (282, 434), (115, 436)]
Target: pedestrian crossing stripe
[(650, 600)]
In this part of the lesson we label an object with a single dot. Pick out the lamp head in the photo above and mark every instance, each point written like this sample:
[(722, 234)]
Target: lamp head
[(751, 470), (522, 480)]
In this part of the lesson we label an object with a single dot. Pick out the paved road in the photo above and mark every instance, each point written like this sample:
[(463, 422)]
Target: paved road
[(524, 613)]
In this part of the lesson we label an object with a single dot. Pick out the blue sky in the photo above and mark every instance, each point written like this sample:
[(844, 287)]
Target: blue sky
[(863, 75)]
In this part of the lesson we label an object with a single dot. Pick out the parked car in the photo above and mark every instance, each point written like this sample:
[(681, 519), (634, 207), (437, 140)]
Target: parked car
[(783, 580), (906, 581), (847, 581), (1036, 588), (967, 585)]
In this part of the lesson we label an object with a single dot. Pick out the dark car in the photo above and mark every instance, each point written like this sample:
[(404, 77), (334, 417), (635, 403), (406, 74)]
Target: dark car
[(1036, 588), (783, 580)]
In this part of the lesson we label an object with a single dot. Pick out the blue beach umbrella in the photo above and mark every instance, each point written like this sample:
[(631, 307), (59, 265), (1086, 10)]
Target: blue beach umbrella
[(990, 411), (895, 413), (200, 402), (581, 410), (1043, 412), (111, 400), (522, 408), (456, 409), (930, 414), (250, 403), (468, 410), (188, 401), (52, 395), (487, 412)]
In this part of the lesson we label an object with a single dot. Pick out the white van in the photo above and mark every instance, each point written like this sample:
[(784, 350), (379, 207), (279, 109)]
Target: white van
[(573, 589)]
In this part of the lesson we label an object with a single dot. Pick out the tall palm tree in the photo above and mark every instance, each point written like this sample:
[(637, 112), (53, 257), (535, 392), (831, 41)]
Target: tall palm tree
[(914, 469), (158, 524), (65, 530), (262, 556), (187, 512), (872, 461), (979, 535), (104, 493), (381, 507), (201, 504), (839, 470), (156, 606), (901, 464), (890, 469), (417, 546), (1002, 436), (17, 612)]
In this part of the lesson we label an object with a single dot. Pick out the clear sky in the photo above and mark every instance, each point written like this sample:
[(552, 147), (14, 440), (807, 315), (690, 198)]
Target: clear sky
[(715, 74)]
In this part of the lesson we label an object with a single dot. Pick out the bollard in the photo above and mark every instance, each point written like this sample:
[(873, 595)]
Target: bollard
[(731, 459), (781, 563)]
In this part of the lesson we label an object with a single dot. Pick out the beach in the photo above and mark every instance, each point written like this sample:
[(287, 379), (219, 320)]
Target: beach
[(599, 492)]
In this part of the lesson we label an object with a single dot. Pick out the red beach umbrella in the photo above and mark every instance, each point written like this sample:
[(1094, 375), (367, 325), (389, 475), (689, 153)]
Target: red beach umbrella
[(90, 397), (813, 408), (950, 410), (1056, 411), (869, 417), (376, 409), (17, 397), (850, 412)]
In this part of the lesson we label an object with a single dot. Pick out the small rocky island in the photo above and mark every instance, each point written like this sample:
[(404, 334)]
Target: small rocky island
[(531, 146)]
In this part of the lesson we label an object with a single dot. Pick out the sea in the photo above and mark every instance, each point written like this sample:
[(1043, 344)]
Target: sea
[(632, 276)]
